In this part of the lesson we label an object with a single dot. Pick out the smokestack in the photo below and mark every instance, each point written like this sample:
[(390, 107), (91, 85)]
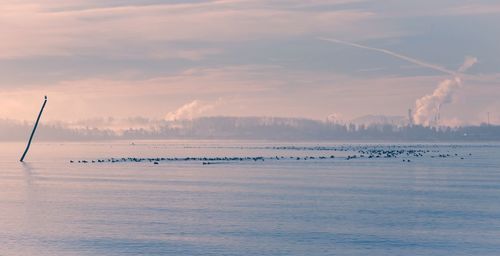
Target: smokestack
[(438, 115), (426, 107), (410, 117)]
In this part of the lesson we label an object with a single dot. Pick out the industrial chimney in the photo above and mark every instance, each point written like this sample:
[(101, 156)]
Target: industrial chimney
[(410, 118)]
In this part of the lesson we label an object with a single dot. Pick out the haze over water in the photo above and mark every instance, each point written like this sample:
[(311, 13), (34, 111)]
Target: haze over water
[(429, 206)]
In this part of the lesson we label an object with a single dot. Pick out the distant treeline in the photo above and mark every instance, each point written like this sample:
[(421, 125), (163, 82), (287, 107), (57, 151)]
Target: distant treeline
[(256, 128), (16, 131)]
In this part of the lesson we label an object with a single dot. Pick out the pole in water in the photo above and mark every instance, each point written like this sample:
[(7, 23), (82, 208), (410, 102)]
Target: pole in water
[(34, 129)]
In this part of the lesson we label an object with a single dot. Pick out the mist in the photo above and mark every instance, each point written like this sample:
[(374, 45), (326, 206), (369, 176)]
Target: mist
[(369, 128)]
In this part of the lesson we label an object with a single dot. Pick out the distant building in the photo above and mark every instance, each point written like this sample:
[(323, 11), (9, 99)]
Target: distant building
[(410, 117)]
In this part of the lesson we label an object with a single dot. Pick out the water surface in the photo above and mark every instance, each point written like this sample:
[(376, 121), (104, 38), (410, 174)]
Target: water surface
[(429, 206)]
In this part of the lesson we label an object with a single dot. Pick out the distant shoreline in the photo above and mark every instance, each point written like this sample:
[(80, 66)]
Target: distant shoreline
[(255, 129)]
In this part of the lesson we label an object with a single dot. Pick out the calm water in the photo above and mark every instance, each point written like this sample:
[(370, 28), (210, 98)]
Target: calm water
[(430, 206)]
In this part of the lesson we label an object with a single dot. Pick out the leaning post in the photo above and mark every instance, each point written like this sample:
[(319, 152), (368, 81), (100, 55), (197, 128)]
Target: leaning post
[(34, 130)]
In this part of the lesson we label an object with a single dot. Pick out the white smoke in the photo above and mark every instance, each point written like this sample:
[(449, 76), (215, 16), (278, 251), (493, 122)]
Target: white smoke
[(428, 108), (335, 118), (190, 110), (468, 63)]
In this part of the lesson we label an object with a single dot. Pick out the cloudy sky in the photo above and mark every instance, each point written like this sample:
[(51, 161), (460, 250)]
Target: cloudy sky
[(173, 59)]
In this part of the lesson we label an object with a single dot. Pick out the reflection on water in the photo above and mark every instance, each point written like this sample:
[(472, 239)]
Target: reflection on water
[(28, 173), (430, 206)]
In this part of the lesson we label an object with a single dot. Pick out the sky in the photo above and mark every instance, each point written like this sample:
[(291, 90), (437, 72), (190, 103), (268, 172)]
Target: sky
[(172, 59)]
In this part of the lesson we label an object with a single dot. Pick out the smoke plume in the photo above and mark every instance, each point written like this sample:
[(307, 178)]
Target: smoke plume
[(189, 111), (428, 108), (468, 63)]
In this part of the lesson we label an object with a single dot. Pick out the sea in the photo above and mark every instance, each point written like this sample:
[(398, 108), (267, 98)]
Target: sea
[(249, 198)]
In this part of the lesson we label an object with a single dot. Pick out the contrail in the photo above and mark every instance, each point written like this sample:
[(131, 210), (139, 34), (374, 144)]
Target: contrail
[(396, 55), (428, 107)]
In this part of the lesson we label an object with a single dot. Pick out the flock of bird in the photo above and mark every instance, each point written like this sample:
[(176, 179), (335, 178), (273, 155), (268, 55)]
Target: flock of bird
[(369, 152)]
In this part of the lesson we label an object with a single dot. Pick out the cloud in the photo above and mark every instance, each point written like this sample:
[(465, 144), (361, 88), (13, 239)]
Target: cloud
[(150, 97), (473, 9), (246, 91), (428, 107), (30, 29), (193, 55), (145, 58)]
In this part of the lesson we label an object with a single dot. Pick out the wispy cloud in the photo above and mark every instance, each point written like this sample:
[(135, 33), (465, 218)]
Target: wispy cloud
[(94, 97), (35, 29), (147, 58), (470, 9)]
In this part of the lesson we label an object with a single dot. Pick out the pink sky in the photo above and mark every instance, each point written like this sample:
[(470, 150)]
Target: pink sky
[(242, 58)]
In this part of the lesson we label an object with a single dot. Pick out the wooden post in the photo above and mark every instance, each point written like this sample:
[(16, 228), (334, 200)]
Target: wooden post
[(34, 129)]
